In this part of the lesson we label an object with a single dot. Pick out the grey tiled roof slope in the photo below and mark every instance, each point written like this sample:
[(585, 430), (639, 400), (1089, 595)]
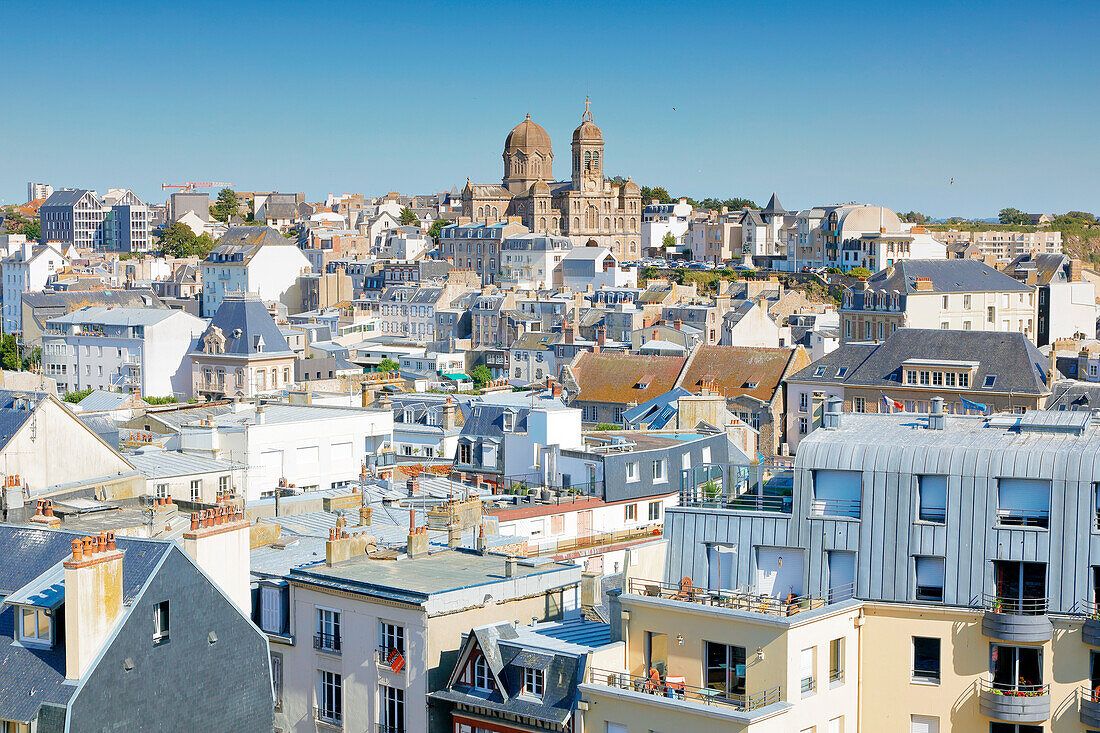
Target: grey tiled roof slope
[(947, 276), (1019, 366), (11, 418), (250, 316), (31, 677)]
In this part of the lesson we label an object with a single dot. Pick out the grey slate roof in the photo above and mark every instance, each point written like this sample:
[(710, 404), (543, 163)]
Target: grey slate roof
[(241, 319), (32, 677), (947, 276), (241, 243), (16, 408), (154, 463), (1017, 363)]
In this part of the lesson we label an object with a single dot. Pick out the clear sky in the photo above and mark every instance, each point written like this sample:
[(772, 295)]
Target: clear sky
[(822, 102)]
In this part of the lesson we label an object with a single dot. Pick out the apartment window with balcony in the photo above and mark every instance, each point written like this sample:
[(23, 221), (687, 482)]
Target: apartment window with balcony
[(1014, 728), (725, 668), (327, 636), (932, 499), (392, 718), (837, 493), (807, 662), (1016, 669), (1023, 502), (929, 575), (926, 660), (1019, 587), (836, 661), (330, 697)]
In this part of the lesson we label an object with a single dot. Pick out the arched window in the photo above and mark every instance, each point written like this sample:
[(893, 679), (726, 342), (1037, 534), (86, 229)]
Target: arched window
[(633, 224), (606, 223), (481, 212), (587, 161), (633, 248), (576, 223), (596, 161), (591, 218)]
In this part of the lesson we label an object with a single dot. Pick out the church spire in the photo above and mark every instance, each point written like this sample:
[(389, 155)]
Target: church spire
[(587, 116)]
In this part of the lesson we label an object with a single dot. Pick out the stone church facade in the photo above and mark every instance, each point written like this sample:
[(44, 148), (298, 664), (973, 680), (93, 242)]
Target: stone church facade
[(588, 208)]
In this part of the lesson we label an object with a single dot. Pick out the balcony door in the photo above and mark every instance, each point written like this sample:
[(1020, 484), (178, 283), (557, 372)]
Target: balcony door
[(1021, 587), (725, 670), (1016, 667)]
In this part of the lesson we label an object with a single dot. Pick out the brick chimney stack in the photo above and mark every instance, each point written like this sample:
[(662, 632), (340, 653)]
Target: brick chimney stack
[(93, 599), (44, 516), (219, 543)]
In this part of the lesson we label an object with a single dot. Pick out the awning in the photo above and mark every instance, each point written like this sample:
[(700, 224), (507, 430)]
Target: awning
[(457, 377)]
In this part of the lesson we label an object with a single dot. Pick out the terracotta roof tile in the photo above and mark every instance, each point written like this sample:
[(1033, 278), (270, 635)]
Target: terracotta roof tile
[(734, 369), (625, 378)]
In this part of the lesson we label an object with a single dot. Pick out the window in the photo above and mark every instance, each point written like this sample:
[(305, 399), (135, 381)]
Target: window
[(926, 660), (277, 678), (588, 413), (859, 404), (930, 572), (932, 499), (630, 513), (271, 609), (966, 301), (464, 453), (659, 472), (837, 493), (1013, 728), (1016, 669), (806, 664), (991, 314), (631, 471), (836, 661), (725, 670), (654, 511), (36, 626), (482, 679), (964, 378), (196, 490), (392, 637), (162, 491), (925, 377), (532, 681), (1023, 502), (803, 426), (327, 638), (990, 380), (803, 402), (1020, 587), (924, 724), (160, 622), (910, 376), (392, 710), (330, 697)]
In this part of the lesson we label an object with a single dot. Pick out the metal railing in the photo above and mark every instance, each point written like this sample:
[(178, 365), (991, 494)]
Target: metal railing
[(765, 487), (1023, 518), (836, 508), (807, 685), (739, 600), (1012, 689), (328, 717), (654, 685), (385, 652), (326, 642), (1088, 609), (1014, 606), (936, 514), (836, 675), (1090, 696), (597, 539), (387, 728)]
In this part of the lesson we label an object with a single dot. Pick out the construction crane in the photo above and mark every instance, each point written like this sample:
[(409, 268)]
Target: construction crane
[(189, 186)]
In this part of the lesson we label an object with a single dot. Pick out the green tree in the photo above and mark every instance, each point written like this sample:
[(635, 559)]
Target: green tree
[(736, 204), (859, 272), (914, 217), (75, 397), (169, 400), (657, 192), (177, 240), (32, 230), (226, 204), (408, 217), (668, 240), (437, 227), (388, 366), (1013, 216), (481, 375)]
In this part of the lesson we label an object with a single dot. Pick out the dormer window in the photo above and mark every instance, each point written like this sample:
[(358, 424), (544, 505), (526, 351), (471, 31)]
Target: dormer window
[(483, 680), (533, 682), (258, 342), (36, 625)]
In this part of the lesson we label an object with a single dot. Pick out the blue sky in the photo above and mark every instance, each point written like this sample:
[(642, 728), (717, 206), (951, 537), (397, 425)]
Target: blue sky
[(877, 102)]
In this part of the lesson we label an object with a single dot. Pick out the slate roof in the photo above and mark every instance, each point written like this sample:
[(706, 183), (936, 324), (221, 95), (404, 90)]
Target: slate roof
[(655, 413), (155, 462), (117, 316), (624, 378), (66, 197), (735, 370), (16, 408), (1019, 366), (241, 319), (241, 243), (1047, 267), (947, 276), (1074, 396), (487, 421), (101, 400), (31, 677)]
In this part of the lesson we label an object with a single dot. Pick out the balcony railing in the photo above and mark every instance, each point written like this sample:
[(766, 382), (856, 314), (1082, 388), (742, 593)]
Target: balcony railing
[(328, 717), (836, 675), (326, 642), (807, 685), (387, 728), (1013, 689), (1023, 518), (760, 488), (836, 508), (654, 685), (1014, 606), (387, 654), (739, 600)]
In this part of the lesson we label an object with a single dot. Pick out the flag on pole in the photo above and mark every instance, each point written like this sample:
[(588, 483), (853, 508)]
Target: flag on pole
[(892, 403), (968, 405)]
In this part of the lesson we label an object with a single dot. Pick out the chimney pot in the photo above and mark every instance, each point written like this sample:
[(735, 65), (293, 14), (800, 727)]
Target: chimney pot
[(78, 550)]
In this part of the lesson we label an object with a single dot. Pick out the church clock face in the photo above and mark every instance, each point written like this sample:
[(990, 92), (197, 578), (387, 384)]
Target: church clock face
[(590, 185)]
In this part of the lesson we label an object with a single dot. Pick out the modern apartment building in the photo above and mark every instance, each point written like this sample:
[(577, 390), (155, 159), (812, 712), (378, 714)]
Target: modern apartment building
[(1006, 245), (965, 295), (119, 221), (37, 191), (955, 552), (143, 350), (1066, 304)]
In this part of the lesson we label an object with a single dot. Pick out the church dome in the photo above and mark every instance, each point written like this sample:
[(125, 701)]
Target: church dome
[(527, 136), (587, 132)]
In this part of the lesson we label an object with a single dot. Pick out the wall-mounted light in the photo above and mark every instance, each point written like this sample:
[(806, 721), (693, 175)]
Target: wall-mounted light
[(680, 639), (760, 654)]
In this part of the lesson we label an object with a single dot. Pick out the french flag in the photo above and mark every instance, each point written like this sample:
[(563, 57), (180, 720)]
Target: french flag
[(892, 404)]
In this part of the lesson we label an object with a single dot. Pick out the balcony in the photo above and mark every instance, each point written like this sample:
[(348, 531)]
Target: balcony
[(1016, 620), (328, 718), (654, 685), (761, 488), (1014, 703), (841, 508), (1030, 518), (1090, 632), (328, 643), (738, 600), (1089, 704)]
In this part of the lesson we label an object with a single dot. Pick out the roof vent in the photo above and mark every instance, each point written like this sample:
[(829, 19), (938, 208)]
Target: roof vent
[(937, 420)]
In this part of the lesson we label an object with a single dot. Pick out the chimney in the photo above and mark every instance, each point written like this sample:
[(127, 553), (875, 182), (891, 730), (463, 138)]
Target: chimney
[(509, 567), (365, 516), (44, 516), (364, 395), (1052, 361), (448, 413), (655, 335), (261, 418), (590, 590), (454, 535), (93, 600), (570, 334), (555, 389), (341, 546), (12, 498), (831, 419), (417, 544), (936, 419), (1075, 270), (679, 324), (413, 485), (218, 542), (924, 284), (601, 335), (481, 544)]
